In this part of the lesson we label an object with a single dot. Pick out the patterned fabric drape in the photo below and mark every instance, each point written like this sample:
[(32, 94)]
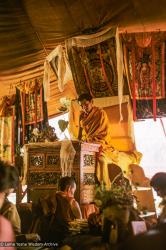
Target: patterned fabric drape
[(31, 110), (7, 138), (94, 68), (7, 113), (144, 63), (6, 105)]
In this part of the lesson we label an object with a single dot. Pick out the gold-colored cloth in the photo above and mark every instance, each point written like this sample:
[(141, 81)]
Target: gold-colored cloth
[(6, 105), (30, 86), (96, 127)]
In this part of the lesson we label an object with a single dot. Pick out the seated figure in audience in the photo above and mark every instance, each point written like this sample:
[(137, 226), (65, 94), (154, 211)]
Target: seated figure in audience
[(9, 209), (154, 238), (58, 210), (158, 182), (6, 230)]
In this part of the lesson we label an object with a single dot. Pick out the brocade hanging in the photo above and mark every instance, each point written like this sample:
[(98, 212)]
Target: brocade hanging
[(6, 105), (31, 109), (7, 114), (144, 63), (94, 69)]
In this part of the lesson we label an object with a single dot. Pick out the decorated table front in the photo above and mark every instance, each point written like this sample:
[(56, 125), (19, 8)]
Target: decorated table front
[(42, 170)]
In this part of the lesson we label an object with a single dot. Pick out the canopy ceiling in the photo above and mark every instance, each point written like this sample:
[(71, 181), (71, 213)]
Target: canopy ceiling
[(30, 29)]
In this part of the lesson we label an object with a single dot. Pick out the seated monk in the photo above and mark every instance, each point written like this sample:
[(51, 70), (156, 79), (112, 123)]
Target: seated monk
[(58, 210), (95, 128)]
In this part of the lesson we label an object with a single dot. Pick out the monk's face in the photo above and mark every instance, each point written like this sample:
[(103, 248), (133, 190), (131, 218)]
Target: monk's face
[(160, 191), (71, 190), (86, 105)]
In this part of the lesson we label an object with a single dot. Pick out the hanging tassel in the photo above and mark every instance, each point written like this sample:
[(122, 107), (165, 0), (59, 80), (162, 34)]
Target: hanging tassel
[(36, 105), (41, 104), (134, 85), (104, 72), (12, 143), (163, 69), (86, 74), (22, 94), (154, 81)]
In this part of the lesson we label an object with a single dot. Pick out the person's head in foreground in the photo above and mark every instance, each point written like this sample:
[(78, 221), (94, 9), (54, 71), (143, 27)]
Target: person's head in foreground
[(86, 102), (67, 185), (8, 178), (158, 182)]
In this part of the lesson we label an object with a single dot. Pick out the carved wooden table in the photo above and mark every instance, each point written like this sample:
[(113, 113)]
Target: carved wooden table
[(43, 169)]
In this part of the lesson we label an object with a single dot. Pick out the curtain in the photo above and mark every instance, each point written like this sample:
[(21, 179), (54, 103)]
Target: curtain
[(7, 138)]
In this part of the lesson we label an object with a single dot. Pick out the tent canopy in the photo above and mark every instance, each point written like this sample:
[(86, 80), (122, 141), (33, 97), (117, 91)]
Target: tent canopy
[(31, 29)]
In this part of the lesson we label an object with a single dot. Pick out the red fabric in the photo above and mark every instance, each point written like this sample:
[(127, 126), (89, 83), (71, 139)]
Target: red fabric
[(104, 72), (163, 69), (13, 115), (35, 108), (23, 116), (134, 85), (88, 209), (154, 81)]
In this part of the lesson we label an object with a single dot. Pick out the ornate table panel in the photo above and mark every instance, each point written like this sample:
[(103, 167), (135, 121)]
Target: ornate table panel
[(44, 170)]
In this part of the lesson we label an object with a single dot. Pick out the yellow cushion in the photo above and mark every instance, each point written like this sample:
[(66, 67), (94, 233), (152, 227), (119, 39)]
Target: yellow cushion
[(124, 144)]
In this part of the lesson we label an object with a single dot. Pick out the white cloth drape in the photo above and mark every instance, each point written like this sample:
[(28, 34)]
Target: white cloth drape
[(120, 71), (57, 60), (90, 40), (67, 154)]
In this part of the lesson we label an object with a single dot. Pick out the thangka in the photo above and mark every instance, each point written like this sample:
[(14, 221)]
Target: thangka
[(94, 68), (145, 69), (31, 108)]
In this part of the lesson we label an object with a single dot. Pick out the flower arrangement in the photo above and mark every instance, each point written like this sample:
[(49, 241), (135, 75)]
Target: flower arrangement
[(65, 104), (117, 195), (46, 135)]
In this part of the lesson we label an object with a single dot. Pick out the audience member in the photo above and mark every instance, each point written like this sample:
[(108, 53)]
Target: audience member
[(158, 182), (9, 209), (6, 230), (58, 210)]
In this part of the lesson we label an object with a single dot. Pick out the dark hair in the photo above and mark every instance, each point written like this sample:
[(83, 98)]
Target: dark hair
[(65, 182), (14, 177), (8, 176), (85, 96), (159, 180)]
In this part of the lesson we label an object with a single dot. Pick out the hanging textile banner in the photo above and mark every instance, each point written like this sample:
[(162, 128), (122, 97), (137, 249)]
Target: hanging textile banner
[(93, 63), (7, 115), (144, 64), (31, 100), (31, 108), (140, 60)]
